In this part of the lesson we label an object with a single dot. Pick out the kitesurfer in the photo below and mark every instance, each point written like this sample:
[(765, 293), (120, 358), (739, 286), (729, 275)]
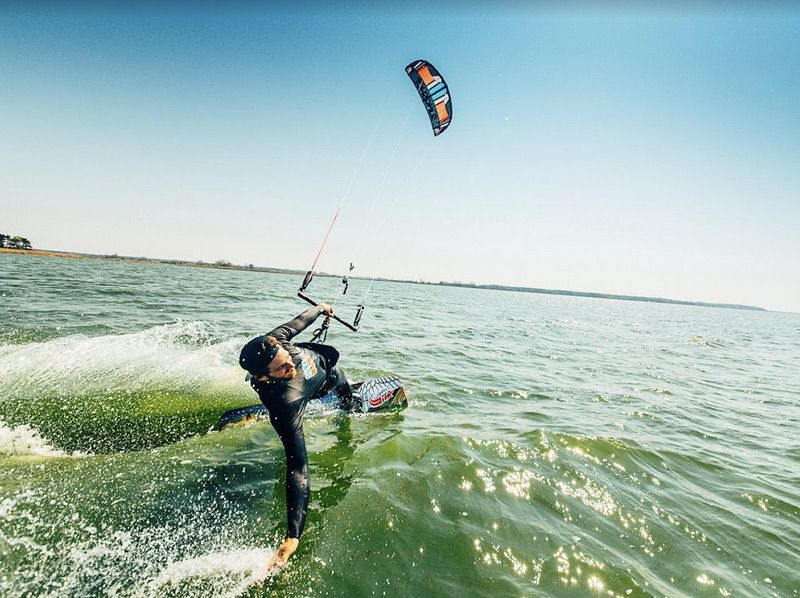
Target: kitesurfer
[(286, 377)]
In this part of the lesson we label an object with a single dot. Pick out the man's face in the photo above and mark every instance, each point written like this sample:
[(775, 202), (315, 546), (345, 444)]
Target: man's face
[(281, 367)]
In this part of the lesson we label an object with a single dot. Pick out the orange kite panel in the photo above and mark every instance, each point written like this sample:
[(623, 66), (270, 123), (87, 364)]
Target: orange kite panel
[(425, 74), (441, 111)]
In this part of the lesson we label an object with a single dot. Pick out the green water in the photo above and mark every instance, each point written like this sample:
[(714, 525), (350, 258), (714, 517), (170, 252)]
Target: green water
[(553, 446)]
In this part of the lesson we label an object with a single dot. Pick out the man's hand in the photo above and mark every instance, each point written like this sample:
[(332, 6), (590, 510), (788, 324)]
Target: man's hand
[(326, 309), (286, 549)]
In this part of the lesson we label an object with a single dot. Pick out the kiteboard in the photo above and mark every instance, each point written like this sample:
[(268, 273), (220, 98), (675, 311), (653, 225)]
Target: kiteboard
[(374, 394)]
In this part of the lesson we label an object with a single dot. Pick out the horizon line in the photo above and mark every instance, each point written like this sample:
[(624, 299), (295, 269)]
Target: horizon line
[(226, 265)]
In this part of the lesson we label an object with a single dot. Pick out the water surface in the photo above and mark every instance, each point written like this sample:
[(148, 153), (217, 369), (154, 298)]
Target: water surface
[(554, 446)]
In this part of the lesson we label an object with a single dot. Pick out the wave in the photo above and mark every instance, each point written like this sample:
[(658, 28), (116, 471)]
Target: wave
[(121, 392), (184, 354)]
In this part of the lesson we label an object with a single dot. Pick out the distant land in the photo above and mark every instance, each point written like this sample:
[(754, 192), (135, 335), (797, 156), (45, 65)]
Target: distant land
[(224, 265)]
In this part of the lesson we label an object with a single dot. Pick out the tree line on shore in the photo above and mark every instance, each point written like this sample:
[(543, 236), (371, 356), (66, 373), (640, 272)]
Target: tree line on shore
[(9, 242)]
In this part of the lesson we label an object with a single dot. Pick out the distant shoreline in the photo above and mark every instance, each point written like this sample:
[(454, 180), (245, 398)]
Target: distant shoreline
[(222, 265)]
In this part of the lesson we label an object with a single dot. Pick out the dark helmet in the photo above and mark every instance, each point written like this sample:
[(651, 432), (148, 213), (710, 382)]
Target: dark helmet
[(256, 355)]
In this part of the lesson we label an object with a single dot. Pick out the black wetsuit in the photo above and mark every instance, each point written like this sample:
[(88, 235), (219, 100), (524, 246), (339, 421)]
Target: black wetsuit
[(286, 402)]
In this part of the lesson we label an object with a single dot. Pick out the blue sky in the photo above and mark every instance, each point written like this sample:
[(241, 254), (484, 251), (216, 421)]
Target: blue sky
[(647, 152)]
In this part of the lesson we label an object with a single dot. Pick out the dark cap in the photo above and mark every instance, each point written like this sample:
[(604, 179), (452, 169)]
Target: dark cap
[(256, 355)]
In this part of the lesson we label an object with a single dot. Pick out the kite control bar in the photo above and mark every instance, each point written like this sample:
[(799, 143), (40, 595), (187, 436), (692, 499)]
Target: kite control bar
[(308, 299)]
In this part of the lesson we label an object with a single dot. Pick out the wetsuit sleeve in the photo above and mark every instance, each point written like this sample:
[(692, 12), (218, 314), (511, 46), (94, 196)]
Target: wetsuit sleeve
[(288, 425), (286, 332)]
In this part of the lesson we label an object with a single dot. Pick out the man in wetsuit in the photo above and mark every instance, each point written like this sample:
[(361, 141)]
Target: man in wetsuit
[(286, 377)]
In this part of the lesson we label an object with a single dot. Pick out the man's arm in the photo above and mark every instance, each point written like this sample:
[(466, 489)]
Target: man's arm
[(285, 332), (289, 427)]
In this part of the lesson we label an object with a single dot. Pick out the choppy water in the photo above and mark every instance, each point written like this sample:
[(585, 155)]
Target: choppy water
[(554, 446)]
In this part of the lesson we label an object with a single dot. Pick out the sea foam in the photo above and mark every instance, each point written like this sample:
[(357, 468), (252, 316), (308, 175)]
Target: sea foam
[(25, 441), (228, 573)]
